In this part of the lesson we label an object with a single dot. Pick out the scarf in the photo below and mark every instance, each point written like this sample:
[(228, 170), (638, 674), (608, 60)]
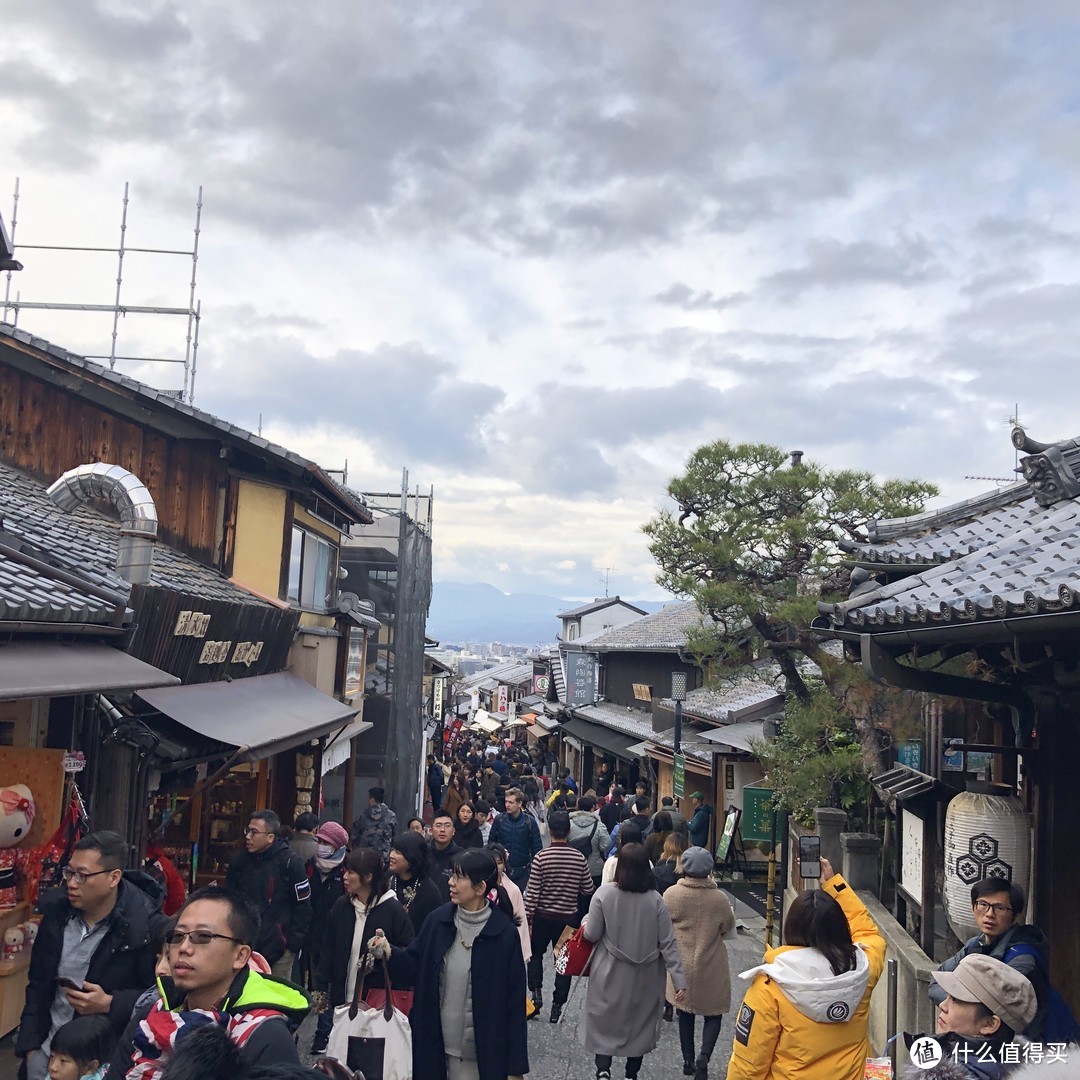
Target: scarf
[(157, 1036), (328, 860)]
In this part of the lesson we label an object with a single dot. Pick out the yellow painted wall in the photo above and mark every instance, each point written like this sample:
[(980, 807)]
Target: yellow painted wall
[(260, 528), (302, 517)]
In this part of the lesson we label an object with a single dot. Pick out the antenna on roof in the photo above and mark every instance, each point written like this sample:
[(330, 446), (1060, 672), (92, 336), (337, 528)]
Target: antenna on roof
[(192, 312), (1014, 422), (608, 571)]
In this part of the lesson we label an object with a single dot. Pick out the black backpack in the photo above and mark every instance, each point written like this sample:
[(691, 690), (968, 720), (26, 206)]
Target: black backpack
[(584, 843)]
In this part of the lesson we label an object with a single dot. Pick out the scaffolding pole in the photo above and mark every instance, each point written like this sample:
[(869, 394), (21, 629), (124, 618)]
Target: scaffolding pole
[(192, 312)]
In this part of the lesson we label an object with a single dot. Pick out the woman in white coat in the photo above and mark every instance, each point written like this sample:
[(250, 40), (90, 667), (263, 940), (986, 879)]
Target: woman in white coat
[(631, 929)]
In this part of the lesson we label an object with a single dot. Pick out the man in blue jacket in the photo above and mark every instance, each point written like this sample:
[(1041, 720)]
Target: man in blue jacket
[(519, 834), (699, 823)]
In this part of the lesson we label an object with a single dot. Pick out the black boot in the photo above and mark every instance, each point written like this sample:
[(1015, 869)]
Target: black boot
[(701, 1071), (556, 1012), (668, 1013), (538, 999), (688, 1068)]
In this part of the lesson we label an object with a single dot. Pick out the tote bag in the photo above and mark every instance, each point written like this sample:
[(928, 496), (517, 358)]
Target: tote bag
[(575, 956), (376, 1042)]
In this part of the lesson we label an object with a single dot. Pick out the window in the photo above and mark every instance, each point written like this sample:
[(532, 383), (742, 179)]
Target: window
[(571, 631), (312, 570)]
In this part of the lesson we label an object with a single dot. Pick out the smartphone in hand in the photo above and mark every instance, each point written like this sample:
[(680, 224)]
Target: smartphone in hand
[(810, 856), (69, 984)]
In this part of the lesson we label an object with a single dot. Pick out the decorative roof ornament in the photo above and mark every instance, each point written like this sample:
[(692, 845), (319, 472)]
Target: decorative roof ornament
[(1050, 468)]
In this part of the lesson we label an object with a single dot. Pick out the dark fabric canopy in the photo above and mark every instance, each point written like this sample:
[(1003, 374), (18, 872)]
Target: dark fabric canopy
[(57, 669), (614, 742), (262, 715)]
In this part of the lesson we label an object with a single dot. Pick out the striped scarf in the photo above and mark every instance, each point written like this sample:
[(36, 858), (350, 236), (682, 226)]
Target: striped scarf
[(158, 1035)]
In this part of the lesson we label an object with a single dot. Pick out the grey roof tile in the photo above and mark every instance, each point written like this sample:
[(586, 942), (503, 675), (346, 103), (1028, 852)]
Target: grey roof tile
[(665, 630), (84, 543), (1024, 570)]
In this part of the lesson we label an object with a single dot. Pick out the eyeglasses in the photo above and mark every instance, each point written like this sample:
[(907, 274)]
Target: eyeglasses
[(256, 832), (80, 876), (198, 937), (983, 906)]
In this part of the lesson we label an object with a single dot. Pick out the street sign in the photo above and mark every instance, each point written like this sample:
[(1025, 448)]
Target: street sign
[(680, 775)]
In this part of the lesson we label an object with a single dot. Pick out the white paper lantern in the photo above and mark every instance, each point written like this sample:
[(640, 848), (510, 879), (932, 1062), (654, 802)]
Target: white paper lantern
[(985, 836)]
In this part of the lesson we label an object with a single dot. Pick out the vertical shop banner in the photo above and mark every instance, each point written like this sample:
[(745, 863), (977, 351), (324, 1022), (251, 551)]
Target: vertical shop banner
[(502, 700), (679, 776), (580, 679), (541, 680), (437, 701)]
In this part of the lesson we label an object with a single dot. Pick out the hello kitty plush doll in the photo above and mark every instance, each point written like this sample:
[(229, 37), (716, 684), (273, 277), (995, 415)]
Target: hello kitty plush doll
[(17, 810), (13, 943)]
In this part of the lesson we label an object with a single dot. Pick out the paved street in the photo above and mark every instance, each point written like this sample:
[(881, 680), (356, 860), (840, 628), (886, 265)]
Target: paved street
[(555, 1052)]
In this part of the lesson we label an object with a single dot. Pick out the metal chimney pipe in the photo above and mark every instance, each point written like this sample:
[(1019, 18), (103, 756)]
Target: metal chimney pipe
[(138, 514)]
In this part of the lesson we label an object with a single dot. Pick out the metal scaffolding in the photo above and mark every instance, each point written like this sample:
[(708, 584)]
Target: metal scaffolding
[(193, 311)]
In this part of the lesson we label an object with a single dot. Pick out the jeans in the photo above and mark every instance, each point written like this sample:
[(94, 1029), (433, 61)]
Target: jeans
[(545, 932), (519, 875), (710, 1033), (324, 1025)]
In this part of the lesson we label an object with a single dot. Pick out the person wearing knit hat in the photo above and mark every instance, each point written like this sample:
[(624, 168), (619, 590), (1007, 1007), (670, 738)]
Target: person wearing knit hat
[(701, 916), (326, 873), (986, 1004)]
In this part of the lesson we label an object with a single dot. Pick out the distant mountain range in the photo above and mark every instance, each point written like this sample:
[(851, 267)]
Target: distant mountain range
[(483, 613)]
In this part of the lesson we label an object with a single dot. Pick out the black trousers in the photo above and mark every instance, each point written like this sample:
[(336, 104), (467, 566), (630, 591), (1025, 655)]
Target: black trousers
[(633, 1065), (710, 1033), (545, 932)]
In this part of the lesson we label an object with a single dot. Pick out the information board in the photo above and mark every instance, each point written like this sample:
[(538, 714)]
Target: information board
[(757, 814), (580, 679), (731, 823), (679, 775)]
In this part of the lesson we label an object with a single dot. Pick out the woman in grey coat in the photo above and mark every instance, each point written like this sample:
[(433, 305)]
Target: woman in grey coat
[(634, 943)]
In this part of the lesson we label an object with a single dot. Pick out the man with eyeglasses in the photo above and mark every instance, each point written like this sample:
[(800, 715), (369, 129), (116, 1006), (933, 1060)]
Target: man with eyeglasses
[(272, 877), (209, 950), (97, 935), (998, 906)]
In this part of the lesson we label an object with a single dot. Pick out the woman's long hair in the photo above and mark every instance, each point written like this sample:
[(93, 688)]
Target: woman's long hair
[(416, 852), (674, 845), (817, 921), (368, 860), (479, 867)]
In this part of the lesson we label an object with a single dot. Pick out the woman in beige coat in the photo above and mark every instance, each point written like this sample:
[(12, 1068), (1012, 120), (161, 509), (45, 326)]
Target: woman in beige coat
[(701, 915)]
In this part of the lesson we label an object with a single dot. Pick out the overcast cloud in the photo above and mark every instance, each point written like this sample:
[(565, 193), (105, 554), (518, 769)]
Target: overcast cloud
[(537, 252)]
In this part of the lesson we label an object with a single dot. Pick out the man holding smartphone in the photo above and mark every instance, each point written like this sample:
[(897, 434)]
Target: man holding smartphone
[(93, 952)]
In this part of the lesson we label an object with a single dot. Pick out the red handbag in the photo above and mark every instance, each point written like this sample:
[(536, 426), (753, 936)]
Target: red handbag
[(575, 956), (402, 999)]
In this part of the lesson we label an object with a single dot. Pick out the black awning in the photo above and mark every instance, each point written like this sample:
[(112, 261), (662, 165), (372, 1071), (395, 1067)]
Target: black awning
[(604, 738), (58, 669), (262, 715)]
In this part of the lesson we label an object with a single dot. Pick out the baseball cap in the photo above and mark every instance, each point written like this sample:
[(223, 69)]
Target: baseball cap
[(1004, 991), (697, 794), (330, 832)]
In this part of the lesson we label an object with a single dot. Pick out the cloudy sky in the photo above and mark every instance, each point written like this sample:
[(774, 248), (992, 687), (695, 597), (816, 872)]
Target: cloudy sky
[(536, 251)]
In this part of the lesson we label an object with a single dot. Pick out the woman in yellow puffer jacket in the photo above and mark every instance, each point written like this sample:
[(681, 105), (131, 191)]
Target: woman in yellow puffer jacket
[(805, 1014)]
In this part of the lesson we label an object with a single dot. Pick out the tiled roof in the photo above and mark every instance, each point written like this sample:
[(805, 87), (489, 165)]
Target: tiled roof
[(31, 596), (746, 695), (160, 399), (618, 718), (85, 541), (598, 604), (665, 630), (690, 746), (508, 674), (1017, 556)]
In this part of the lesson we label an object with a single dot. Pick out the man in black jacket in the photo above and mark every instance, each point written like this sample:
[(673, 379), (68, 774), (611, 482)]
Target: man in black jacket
[(272, 878), (443, 853), (97, 935)]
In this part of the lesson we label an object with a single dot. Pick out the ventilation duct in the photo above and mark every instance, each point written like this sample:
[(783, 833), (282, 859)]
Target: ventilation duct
[(135, 504)]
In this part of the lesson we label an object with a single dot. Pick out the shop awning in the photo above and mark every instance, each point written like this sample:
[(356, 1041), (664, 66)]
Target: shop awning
[(337, 747), (56, 669), (537, 732), (606, 739), (486, 723), (262, 715), (736, 735), (547, 722)]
